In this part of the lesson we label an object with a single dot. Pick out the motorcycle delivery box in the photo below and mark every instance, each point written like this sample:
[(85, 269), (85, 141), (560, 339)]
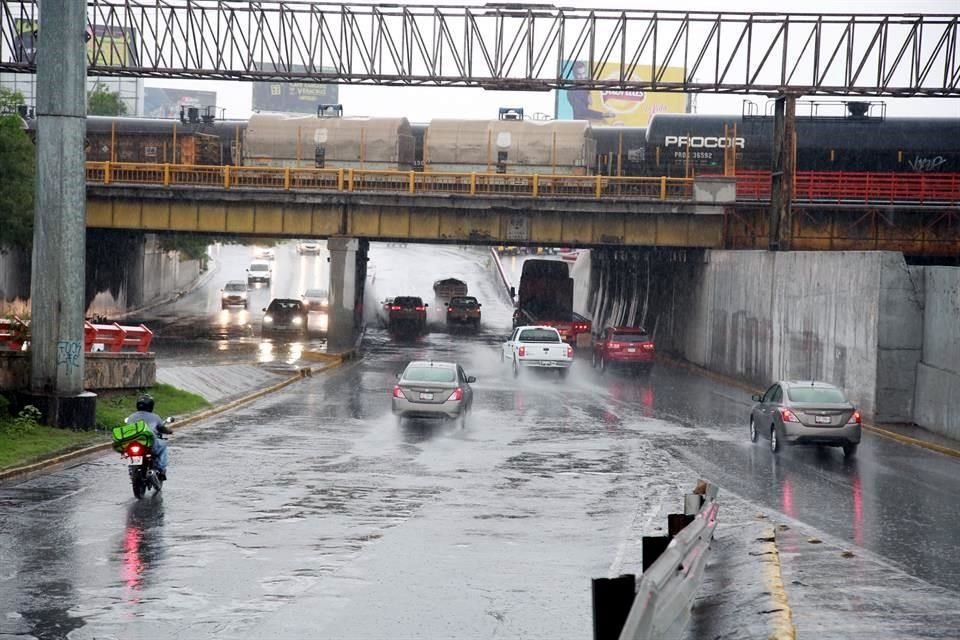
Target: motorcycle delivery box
[(138, 431)]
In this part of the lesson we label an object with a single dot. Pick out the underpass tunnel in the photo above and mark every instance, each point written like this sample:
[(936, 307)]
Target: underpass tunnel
[(643, 287)]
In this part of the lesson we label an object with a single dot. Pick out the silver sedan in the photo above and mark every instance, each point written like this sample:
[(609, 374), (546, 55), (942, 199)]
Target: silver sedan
[(428, 389), (806, 412)]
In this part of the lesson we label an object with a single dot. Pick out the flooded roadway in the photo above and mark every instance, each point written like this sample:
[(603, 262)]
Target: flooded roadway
[(309, 513)]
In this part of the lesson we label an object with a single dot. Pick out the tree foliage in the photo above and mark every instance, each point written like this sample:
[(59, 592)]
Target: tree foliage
[(10, 100), (103, 102), (17, 168)]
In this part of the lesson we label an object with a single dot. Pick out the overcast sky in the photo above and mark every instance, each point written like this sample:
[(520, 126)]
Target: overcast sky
[(420, 104)]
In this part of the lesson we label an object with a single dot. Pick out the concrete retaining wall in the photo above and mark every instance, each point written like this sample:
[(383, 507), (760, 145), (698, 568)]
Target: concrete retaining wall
[(102, 371), (153, 274), (764, 316), (937, 405)]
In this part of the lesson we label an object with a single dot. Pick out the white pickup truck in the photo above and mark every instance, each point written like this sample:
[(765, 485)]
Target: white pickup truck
[(539, 347)]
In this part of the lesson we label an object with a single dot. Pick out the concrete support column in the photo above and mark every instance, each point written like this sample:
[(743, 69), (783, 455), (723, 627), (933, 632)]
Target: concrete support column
[(348, 268), (57, 290)]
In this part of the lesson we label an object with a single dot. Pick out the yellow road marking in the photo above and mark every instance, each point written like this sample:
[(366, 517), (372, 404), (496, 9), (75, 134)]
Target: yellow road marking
[(783, 628)]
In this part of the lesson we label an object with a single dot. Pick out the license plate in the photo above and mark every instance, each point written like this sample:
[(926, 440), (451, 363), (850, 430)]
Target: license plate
[(822, 419), (631, 350), (426, 396), (134, 460), (546, 363)]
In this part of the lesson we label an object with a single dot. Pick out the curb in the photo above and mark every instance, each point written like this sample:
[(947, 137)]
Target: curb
[(179, 424), (783, 627), (872, 428), (899, 437)]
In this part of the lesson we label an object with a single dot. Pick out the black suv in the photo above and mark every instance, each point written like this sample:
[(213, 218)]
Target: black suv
[(406, 314), (284, 315)]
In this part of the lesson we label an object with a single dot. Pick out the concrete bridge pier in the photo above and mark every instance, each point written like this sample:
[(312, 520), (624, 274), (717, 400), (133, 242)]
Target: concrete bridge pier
[(348, 275), (57, 288)]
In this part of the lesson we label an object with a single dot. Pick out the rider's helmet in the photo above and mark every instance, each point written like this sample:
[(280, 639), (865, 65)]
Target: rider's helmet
[(145, 403)]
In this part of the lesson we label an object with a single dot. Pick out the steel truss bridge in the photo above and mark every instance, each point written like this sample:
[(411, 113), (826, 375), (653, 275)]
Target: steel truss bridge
[(508, 47)]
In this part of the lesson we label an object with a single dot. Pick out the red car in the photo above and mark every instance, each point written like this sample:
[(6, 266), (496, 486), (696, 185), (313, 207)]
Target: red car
[(624, 347)]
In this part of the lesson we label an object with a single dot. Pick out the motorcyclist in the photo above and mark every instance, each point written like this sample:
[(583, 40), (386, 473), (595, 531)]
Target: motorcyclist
[(145, 412)]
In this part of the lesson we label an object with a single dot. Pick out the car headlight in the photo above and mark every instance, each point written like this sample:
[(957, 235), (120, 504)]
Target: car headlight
[(297, 320), (268, 319)]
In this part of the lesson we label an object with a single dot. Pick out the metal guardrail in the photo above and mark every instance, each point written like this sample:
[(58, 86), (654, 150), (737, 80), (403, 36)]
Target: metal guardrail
[(673, 568), (400, 182)]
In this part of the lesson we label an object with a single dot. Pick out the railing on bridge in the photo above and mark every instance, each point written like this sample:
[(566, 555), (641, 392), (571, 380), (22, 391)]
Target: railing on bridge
[(410, 182), (824, 187), (845, 187)]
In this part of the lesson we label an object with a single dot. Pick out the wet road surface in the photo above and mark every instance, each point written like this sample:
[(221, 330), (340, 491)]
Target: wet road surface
[(310, 513), (195, 329)]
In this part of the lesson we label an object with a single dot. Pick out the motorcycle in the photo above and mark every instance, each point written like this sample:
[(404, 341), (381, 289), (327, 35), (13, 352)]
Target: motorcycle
[(134, 442)]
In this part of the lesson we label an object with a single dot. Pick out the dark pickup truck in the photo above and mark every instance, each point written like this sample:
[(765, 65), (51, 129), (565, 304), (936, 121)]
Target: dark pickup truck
[(463, 311), (406, 314)]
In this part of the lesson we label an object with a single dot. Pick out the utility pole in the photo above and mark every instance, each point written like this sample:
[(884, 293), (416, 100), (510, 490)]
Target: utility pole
[(782, 176), (59, 236)]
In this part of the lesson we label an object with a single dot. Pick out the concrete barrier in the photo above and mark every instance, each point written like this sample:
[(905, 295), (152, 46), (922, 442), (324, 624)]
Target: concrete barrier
[(102, 371)]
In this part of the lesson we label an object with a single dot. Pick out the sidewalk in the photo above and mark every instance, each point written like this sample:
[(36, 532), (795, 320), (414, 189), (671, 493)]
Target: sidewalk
[(805, 584), (219, 383)]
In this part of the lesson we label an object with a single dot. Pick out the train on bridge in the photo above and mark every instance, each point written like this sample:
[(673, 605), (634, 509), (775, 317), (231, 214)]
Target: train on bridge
[(860, 140)]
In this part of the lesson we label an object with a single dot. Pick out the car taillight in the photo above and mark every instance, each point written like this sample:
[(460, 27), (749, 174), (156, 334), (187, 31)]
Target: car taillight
[(647, 346), (398, 392), (855, 418), (421, 308), (787, 415), (522, 351), (395, 307), (569, 351), (457, 394), (615, 345), (135, 449), (449, 308)]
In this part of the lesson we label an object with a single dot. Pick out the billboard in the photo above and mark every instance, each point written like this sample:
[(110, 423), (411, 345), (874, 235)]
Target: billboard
[(106, 46), (165, 102), (616, 107), (293, 97)]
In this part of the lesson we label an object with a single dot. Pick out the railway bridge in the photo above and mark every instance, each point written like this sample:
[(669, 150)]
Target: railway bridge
[(914, 213)]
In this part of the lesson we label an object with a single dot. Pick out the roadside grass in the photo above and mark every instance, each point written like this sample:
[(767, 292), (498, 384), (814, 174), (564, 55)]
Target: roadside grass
[(39, 442), (23, 440), (113, 407)]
